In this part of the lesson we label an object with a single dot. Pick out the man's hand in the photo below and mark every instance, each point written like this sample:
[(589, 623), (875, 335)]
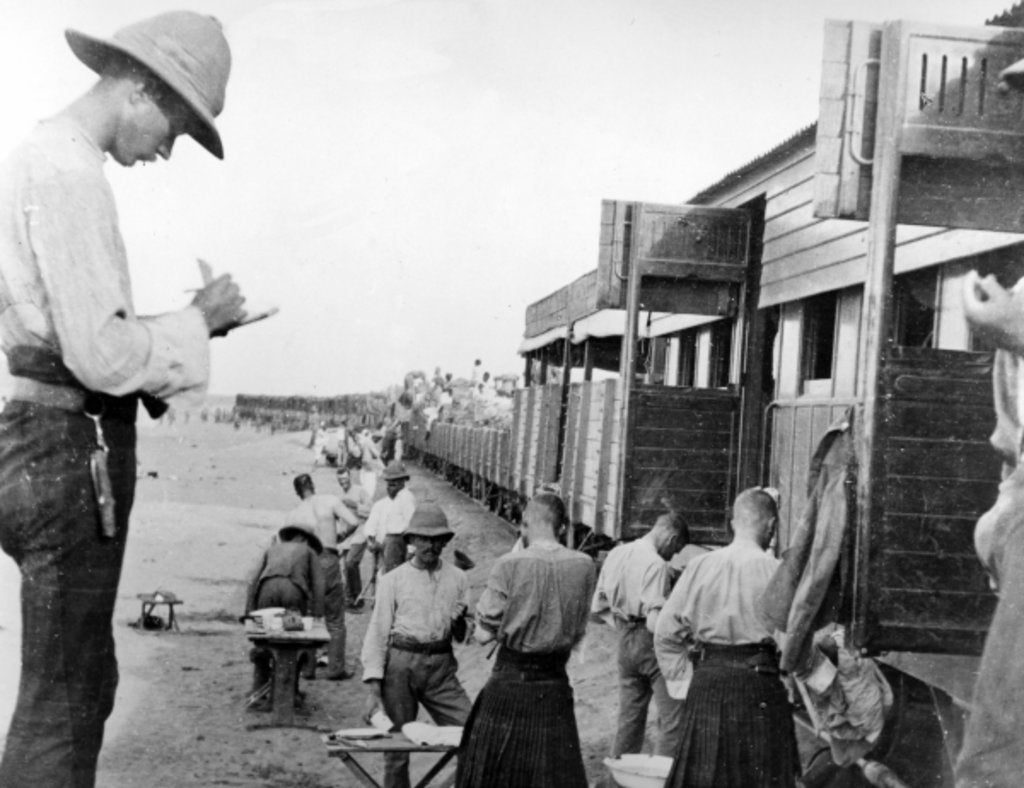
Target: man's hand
[(997, 314), (374, 700), (482, 635), (220, 301)]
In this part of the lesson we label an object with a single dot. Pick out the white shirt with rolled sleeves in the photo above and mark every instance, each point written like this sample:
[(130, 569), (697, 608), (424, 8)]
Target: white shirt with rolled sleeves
[(415, 603), (390, 516), (64, 281), (633, 583)]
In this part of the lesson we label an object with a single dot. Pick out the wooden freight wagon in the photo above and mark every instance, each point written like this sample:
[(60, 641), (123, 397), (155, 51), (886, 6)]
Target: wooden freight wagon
[(671, 281), (871, 221)]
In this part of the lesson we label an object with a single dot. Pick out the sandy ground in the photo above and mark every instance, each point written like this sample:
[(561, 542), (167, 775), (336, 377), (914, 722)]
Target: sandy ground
[(197, 528)]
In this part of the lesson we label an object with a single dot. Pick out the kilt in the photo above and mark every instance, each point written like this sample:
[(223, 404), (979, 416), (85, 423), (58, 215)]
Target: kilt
[(737, 724), (522, 730)]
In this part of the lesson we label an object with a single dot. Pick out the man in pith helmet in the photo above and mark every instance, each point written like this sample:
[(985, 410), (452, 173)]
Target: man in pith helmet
[(407, 652), (82, 361)]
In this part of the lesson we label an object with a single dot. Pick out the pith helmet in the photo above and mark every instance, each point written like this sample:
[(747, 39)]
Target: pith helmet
[(394, 471), (186, 50), (314, 541), (428, 520)]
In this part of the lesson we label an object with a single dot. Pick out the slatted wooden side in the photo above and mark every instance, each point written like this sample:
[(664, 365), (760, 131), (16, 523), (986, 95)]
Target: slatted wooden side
[(571, 450), (920, 586), (683, 447), (522, 406), (503, 472), (540, 466), (596, 488), (797, 427)]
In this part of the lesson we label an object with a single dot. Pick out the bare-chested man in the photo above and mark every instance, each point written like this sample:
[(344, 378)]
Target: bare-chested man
[(326, 515)]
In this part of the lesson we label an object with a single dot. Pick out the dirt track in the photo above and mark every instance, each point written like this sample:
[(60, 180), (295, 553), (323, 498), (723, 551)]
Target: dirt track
[(197, 528)]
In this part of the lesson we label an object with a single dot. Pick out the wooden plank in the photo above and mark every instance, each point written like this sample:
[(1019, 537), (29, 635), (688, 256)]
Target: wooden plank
[(937, 608), (906, 495), (580, 459), (517, 439), (940, 459), (929, 534), (713, 456), (604, 524), (920, 571)]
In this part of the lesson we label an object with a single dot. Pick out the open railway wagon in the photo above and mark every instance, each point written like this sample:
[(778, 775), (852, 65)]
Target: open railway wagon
[(845, 306)]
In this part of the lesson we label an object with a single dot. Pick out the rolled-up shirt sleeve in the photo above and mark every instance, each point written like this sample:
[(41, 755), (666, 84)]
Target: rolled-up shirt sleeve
[(490, 607), (72, 229), (673, 637)]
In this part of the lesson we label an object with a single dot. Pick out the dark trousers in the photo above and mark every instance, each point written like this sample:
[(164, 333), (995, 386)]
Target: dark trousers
[(639, 681), (410, 680), (334, 613), (69, 577), (353, 575)]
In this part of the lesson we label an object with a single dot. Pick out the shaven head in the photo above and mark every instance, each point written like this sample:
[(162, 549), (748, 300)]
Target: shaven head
[(670, 534), (754, 515), (543, 519)]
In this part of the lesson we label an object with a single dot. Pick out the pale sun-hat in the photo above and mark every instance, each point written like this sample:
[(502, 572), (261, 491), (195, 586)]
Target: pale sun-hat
[(186, 50)]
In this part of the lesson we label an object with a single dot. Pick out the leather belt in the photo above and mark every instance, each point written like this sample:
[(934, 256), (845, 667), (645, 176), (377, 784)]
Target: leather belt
[(75, 400), (403, 643)]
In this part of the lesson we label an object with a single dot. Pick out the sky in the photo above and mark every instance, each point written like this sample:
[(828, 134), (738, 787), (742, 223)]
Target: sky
[(403, 177)]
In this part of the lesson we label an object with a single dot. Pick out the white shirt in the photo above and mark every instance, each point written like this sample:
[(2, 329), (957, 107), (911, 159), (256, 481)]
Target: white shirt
[(715, 601), (390, 516), (64, 283), (633, 584)]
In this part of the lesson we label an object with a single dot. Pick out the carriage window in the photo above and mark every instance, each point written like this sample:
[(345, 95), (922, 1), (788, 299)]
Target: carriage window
[(688, 358), (721, 351), (819, 338), (915, 298)]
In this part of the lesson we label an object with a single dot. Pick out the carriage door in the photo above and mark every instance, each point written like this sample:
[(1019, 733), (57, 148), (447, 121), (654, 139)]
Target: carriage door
[(916, 130), (679, 442)]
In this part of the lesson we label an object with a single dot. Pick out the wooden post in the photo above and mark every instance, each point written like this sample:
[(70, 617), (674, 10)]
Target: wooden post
[(752, 353), (528, 371), (563, 407), (588, 360), (628, 371), (876, 314)]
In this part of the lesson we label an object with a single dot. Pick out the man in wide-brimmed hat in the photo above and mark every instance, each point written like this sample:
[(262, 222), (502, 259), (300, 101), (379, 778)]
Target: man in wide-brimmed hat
[(75, 346), (407, 653), (390, 516)]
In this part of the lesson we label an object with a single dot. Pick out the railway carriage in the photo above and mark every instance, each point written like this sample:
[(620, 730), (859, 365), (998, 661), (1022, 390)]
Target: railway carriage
[(718, 340)]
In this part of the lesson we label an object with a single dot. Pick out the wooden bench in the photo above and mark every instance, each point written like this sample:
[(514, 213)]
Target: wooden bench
[(151, 601)]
